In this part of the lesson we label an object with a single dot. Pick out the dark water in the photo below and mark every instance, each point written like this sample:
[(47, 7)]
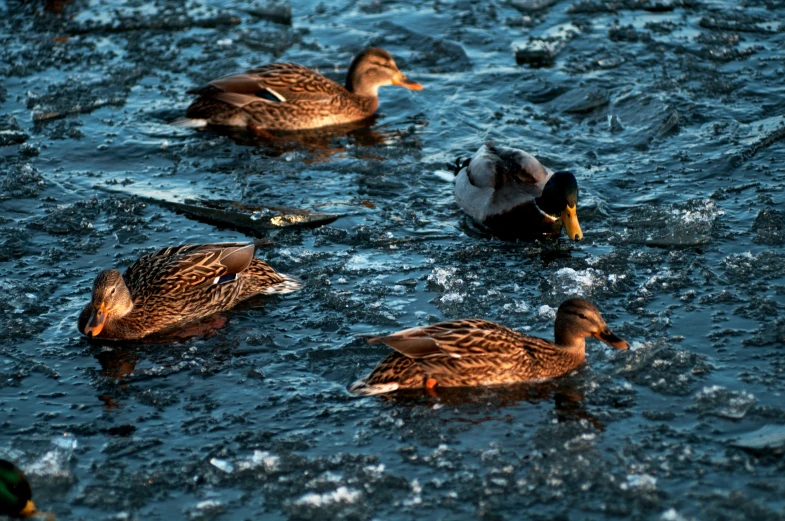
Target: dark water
[(669, 112)]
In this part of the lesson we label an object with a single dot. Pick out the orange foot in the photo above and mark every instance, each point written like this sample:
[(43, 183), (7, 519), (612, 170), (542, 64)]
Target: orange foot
[(259, 131), (430, 386)]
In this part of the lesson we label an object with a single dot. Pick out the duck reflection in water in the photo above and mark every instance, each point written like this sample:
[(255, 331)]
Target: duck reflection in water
[(118, 360), (566, 394), (323, 143)]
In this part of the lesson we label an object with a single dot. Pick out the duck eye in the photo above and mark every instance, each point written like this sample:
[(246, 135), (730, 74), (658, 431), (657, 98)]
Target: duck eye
[(112, 292), (584, 317)]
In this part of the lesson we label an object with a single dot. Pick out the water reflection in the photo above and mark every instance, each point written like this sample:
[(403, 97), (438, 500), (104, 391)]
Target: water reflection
[(566, 395), (321, 144)]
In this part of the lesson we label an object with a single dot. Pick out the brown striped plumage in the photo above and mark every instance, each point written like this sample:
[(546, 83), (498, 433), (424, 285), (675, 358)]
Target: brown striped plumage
[(476, 352), (287, 96), (175, 286)]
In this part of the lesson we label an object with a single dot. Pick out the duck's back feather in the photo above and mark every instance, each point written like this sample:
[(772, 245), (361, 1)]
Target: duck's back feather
[(498, 180), (278, 82)]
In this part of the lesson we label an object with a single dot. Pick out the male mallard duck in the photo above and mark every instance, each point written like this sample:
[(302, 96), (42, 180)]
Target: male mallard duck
[(286, 96), (473, 352), (509, 192), (175, 286), (15, 493)]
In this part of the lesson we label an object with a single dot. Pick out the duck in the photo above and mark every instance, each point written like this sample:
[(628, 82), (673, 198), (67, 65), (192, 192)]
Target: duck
[(16, 497), (177, 285), (513, 196), (477, 352), (287, 96)]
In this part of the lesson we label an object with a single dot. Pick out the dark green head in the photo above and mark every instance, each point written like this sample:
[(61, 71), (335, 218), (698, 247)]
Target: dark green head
[(15, 493), (560, 199)]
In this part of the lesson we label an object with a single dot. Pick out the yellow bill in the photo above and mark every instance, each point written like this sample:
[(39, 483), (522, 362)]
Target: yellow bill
[(569, 219)]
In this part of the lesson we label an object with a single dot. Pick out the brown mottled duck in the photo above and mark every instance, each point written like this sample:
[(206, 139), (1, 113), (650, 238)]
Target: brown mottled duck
[(513, 195), (475, 352), (175, 286), (286, 96)]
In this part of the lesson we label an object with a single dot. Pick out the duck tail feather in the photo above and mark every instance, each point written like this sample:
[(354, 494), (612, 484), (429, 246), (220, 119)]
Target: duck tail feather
[(189, 122), (288, 285), (363, 388)]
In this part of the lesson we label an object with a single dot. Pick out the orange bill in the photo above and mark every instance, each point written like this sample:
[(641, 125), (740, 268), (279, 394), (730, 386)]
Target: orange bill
[(569, 219), (96, 322), (612, 340), (402, 81)]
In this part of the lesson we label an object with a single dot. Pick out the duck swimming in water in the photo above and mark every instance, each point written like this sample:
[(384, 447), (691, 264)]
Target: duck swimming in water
[(286, 96), (16, 497), (513, 195), (175, 286), (474, 352)]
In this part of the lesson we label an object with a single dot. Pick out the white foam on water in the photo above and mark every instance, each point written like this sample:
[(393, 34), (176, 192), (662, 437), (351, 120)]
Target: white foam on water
[(341, 495)]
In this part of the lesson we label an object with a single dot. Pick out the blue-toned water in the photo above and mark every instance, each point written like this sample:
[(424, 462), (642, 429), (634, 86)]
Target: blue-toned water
[(671, 114)]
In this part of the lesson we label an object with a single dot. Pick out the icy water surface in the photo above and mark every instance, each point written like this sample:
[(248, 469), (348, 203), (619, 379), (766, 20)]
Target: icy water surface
[(669, 112)]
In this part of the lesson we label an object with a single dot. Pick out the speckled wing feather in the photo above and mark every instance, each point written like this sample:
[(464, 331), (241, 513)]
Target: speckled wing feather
[(279, 82), (454, 339), (180, 269)]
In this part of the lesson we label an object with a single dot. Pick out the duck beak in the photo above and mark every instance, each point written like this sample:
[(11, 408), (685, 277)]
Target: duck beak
[(29, 509), (612, 340), (569, 218), (96, 322), (402, 81)]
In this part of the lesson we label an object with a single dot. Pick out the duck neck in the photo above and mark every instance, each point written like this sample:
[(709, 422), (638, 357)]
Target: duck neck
[(363, 89), (367, 104), (573, 344), (552, 200)]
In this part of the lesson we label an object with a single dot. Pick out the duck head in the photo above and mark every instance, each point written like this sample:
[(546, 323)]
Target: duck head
[(374, 68), (560, 199), (111, 300), (577, 319), (15, 493)]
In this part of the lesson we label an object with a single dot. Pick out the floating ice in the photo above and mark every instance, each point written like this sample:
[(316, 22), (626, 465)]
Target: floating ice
[(718, 401), (639, 481), (672, 515), (568, 280), (452, 298), (443, 277), (416, 498), (209, 504), (67, 442), (363, 261), (517, 306), (222, 465), (342, 495), (546, 311)]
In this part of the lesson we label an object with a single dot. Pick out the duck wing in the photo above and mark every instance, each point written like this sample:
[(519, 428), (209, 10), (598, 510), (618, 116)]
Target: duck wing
[(454, 339), (182, 269), (498, 179), (504, 168), (275, 83)]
